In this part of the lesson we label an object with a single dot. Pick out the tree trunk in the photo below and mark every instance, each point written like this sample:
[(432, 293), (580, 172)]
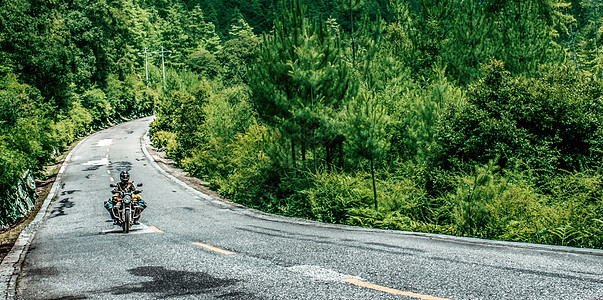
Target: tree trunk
[(340, 154), (293, 153), (353, 40), (328, 149), (374, 185)]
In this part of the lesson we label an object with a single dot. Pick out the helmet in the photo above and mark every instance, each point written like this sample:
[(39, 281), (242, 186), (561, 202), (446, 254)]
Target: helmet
[(124, 176)]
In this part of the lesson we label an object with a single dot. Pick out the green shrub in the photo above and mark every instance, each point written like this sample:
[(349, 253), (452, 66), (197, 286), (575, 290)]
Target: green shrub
[(394, 220), (550, 123), (209, 160), (95, 101), (489, 204), (165, 140), (68, 128), (225, 114), (12, 164), (333, 195), (405, 196), (254, 175), (26, 138), (576, 211), (127, 97), (509, 206), (147, 101)]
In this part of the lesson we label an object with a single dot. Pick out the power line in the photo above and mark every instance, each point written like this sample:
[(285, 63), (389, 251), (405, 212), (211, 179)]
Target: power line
[(147, 62)]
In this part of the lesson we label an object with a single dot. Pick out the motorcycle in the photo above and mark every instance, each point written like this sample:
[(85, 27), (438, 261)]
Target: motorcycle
[(126, 210)]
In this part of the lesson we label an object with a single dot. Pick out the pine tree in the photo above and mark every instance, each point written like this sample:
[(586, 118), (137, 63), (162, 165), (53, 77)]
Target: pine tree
[(270, 81), (427, 29), (238, 53), (174, 36), (471, 42), (526, 38), (200, 33), (586, 36), (367, 135), (349, 13), (300, 78), (527, 31), (324, 83)]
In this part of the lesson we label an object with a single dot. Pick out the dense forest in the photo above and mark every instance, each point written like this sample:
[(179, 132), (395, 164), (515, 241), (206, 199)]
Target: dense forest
[(470, 118)]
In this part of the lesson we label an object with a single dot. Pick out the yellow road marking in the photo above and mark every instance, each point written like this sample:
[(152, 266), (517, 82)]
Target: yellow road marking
[(213, 248), (108, 171), (107, 156), (389, 290), (155, 229), (108, 149), (111, 179)]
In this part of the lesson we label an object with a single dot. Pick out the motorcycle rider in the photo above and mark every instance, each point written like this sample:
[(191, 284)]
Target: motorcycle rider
[(126, 186)]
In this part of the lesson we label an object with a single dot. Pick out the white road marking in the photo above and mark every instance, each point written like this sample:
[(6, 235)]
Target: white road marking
[(319, 273), (105, 142), (101, 162), (136, 229)]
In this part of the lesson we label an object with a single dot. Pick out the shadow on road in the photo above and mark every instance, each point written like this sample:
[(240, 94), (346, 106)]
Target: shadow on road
[(167, 283)]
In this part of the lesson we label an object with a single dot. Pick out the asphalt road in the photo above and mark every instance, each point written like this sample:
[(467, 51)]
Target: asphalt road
[(189, 247)]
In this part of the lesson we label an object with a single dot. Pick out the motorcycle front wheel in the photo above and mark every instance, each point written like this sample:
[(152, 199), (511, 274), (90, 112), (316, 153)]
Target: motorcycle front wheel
[(127, 220)]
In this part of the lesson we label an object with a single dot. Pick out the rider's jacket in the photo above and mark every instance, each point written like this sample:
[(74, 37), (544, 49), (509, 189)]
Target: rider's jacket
[(126, 187)]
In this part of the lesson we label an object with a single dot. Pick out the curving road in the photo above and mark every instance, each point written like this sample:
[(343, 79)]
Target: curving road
[(193, 247)]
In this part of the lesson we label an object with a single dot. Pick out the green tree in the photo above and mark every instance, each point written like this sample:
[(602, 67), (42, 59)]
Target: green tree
[(549, 123), (300, 77), (428, 28), (584, 38), (526, 29), (349, 12), (274, 90), (34, 37), (174, 36), (238, 53), (323, 80), (203, 44), (367, 134), (200, 33), (471, 42)]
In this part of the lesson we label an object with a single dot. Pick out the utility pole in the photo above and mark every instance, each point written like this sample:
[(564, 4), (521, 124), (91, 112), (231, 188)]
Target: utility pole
[(162, 62), (146, 64)]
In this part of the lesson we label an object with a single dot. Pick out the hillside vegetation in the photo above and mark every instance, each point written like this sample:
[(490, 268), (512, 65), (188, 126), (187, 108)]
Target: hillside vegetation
[(470, 118)]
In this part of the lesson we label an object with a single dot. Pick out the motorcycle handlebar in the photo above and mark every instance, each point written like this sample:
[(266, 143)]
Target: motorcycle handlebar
[(120, 192)]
